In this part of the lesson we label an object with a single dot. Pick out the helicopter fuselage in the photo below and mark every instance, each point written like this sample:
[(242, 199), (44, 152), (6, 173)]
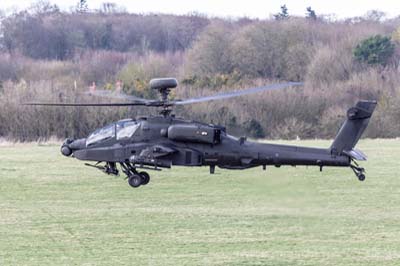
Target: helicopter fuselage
[(162, 142)]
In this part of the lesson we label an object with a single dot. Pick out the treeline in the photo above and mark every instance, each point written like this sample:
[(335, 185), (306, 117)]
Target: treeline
[(55, 35), (51, 55)]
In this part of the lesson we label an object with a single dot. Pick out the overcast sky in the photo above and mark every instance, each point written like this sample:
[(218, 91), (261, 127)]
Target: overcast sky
[(232, 8)]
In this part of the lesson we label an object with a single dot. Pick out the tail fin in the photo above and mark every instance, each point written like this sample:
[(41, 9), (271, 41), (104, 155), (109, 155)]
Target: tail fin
[(357, 121)]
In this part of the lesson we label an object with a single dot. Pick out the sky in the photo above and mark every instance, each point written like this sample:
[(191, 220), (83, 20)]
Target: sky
[(233, 8)]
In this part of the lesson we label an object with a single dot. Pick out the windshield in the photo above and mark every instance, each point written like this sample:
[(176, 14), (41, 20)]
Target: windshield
[(126, 129), (101, 134)]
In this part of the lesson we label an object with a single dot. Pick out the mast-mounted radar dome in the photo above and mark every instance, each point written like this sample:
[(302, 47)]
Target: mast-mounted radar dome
[(163, 83)]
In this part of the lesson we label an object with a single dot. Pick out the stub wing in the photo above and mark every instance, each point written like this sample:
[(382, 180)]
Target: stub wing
[(154, 156), (157, 151)]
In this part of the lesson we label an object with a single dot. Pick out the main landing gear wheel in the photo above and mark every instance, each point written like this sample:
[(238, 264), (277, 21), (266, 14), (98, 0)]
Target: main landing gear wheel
[(145, 178), (135, 180)]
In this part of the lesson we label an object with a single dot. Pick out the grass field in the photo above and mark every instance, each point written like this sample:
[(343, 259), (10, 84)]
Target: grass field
[(56, 211)]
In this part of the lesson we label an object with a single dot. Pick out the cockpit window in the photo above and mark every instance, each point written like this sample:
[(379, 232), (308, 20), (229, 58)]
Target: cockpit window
[(126, 129), (101, 134)]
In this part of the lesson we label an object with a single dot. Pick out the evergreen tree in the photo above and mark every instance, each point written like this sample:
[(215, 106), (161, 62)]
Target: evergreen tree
[(284, 14), (376, 50), (82, 6), (311, 14)]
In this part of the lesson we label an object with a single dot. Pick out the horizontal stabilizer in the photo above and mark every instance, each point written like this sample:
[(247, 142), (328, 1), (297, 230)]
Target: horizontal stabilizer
[(356, 155)]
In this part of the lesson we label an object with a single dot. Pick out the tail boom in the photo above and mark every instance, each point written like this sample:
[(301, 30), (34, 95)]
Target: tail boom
[(342, 152)]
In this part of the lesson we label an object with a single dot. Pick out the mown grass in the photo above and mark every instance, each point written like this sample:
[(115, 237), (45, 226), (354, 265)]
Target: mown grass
[(55, 211)]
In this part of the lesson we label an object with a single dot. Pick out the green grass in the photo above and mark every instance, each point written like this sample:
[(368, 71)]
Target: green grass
[(56, 211)]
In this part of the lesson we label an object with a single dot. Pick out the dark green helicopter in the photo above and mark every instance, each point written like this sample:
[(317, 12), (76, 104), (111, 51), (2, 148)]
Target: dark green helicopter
[(162, 141)]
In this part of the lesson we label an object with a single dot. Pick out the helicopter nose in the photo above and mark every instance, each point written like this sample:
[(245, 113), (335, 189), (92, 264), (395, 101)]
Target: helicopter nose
[(71, 145)]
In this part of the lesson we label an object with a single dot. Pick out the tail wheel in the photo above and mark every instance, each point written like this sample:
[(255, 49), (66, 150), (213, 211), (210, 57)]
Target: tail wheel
[(135, 181), (145, 178), (361, 177), (359, 171)]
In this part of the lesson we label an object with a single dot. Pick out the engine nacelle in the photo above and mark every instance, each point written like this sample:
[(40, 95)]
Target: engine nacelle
[(195, 133)]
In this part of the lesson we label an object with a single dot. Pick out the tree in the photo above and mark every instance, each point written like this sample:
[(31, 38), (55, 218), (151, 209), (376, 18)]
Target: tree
[(272, 50), (110, 8), (283, 14), (2, 17), (311, 14), (376, 50), (106, 37), (211, 53), (44, 7), (375, 15), (255, 45), (82, 6)]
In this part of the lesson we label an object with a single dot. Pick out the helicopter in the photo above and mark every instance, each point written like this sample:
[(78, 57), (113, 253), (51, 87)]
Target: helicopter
[(162, 141)]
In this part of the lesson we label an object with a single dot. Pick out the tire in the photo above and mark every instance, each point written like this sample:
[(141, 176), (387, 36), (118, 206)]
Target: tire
[(361, 177), (135, 181), (145, 178)]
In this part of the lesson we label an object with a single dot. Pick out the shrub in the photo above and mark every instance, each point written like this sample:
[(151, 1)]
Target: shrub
[(43, 70), (136, 74), (254, 128), (396, 35), (376, 50), (329, 65), (292, 128), (9, 68), (101, 66)]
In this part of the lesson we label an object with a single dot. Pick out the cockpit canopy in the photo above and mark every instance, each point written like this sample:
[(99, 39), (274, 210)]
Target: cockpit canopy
[(121, 130), (126, 128)]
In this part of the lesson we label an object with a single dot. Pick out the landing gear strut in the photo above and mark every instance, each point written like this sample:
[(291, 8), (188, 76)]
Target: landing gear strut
[(110, 168), (359, 171), (135, 179)]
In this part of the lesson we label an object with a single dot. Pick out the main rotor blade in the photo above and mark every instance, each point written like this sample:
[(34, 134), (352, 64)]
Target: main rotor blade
[(113, 95), (231, 94), (89, 104), (156, 103), (133, 100)]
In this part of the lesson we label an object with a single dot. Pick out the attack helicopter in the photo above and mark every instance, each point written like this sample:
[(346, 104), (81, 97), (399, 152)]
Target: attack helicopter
[(163, 141)]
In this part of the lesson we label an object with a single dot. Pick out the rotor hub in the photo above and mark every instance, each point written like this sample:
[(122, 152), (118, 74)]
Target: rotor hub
[(164, 86)]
